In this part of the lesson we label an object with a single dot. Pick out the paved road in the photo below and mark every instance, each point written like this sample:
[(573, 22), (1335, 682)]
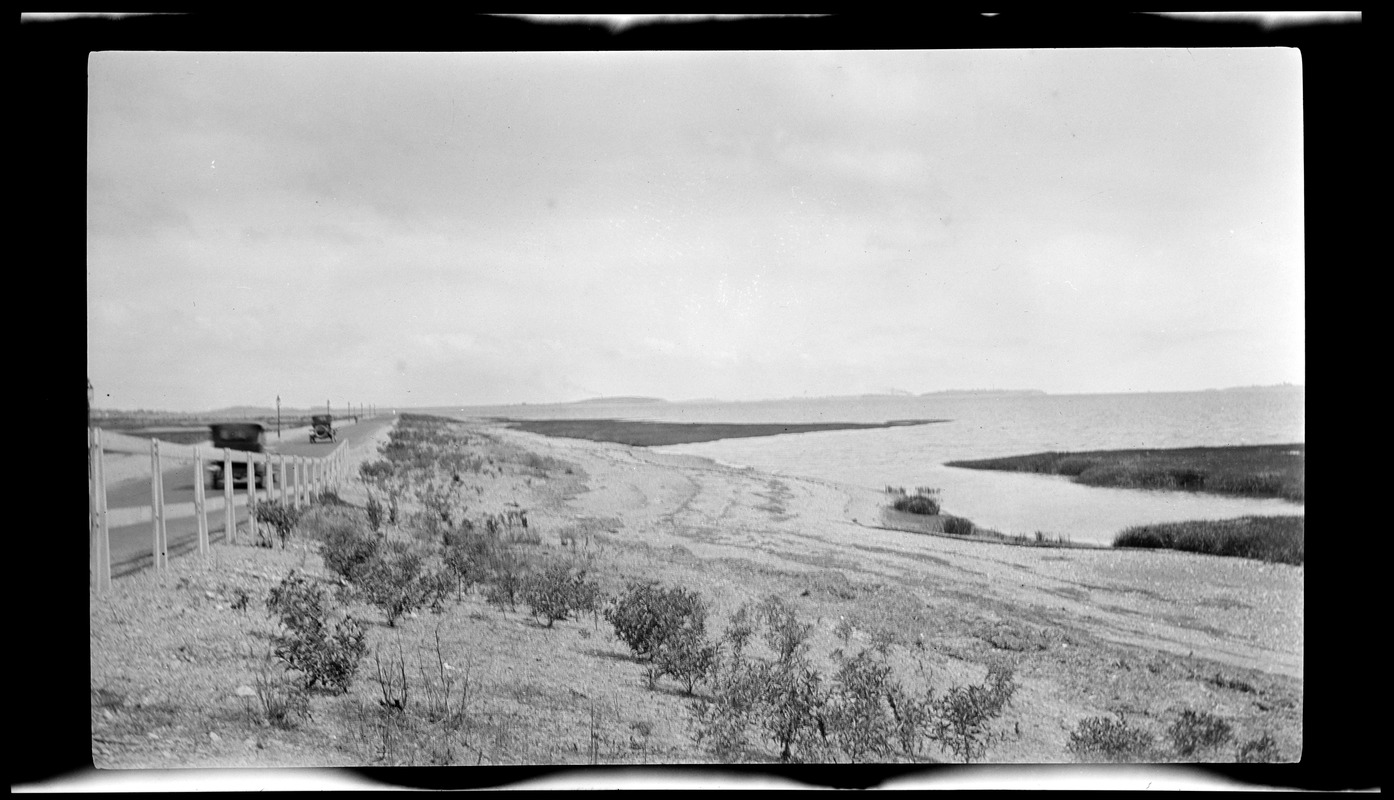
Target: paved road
[(132, 543), (179, 476)]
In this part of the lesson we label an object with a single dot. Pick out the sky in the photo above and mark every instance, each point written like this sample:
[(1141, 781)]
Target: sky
[(429, 229)]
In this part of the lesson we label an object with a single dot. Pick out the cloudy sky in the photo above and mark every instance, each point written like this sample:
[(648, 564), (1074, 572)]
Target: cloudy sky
[(423, 229)]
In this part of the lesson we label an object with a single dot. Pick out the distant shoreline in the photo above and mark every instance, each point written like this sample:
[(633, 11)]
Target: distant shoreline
[(1265, 471), (639, 433)]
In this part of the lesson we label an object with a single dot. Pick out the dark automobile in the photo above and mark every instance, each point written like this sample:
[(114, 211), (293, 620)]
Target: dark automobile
[(248, 437), (323, 430)]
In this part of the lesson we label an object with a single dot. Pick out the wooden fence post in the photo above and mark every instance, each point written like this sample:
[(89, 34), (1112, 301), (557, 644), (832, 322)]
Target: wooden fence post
[(270, 480), (101, 544), (157, 506), (251, 498), (199, 509), (93, 469), (281, 464), (229, 510)]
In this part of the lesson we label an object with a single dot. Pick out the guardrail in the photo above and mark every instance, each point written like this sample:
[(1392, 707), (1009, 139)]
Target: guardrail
[(293, 479)]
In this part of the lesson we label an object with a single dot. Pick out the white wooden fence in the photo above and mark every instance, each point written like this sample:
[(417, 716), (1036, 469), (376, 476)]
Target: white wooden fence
[(289, 479)]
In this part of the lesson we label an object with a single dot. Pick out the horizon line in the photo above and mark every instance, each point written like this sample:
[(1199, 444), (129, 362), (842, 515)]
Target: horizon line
[(653, 399)]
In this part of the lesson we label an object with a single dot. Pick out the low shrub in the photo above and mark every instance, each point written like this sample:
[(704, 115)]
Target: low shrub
[(864, 708), (468, 557), (421, 715), (1263, 750), (506, 573), (393, 580), (435, 589), (327, 655), (958, 526), (1105, 739), (375, 513), (722, 720), (1196, 732), (556, 591), (346, 548), (275, 517), (923, 501), (963, 715), (376, 471), (439, 502), (687, 657), (863, 713), (281, 701), (647, 615)]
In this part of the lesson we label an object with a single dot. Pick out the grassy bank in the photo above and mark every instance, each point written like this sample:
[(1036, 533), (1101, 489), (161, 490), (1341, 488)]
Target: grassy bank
[(1264, 471), (920, 512), (652, 434), (1273, 539), (1277, 539)]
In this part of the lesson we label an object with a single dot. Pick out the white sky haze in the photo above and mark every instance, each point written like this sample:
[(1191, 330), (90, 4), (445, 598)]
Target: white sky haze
[(422, 229)]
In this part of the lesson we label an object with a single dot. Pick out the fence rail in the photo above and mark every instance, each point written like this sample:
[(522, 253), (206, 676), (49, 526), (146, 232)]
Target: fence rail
[(288, 479)]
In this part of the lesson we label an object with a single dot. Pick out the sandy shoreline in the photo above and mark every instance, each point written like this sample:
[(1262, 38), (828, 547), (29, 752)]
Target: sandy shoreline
[(1238, 612)]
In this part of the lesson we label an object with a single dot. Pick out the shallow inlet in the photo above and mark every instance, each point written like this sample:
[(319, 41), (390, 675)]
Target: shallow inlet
[(1023, 504), (1012, 503)]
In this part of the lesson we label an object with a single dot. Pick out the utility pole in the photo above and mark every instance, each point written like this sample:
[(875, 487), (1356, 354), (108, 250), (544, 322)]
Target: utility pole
[(278, 416)]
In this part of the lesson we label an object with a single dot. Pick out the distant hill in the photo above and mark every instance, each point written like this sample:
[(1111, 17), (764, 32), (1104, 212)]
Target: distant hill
[(983, 392), (613, 400), (241, 411), (260, 411), (1279, 387)]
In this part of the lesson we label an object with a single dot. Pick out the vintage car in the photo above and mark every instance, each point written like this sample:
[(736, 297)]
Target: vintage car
[(323, 430), (248, 437)]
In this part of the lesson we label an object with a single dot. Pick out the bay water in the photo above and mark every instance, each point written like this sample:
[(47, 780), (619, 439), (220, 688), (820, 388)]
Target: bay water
[(986, 426)]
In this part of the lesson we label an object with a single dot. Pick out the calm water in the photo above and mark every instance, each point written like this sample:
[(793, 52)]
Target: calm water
[(986, 426)]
